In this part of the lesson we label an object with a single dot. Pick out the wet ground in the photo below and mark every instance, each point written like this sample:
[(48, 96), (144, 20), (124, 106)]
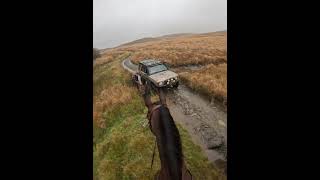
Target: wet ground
[(202, 119), (205, 121)]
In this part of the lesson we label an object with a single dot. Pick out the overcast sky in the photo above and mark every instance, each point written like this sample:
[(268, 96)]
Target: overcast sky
[(119, 21)]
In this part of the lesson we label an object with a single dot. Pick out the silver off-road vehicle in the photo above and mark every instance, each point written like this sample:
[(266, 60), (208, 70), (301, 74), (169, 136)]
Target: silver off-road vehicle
[(156, 73)]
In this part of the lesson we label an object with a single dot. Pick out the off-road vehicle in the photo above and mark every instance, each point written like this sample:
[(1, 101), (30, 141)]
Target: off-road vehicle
[(156, 73)]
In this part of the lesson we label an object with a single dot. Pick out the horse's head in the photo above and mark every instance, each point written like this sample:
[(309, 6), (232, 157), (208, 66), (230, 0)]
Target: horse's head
[(153, 106), (147, 97)]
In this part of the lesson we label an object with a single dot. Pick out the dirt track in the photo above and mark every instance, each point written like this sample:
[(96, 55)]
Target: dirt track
[(205, 121)]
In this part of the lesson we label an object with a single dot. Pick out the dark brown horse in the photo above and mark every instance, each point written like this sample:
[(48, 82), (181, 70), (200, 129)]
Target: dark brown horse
[(167, 138)]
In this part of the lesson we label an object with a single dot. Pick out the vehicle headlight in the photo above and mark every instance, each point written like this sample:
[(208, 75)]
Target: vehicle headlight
[(161, 83)]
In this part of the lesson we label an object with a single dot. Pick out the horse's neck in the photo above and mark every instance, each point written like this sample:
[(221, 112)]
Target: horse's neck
[(164, 172), (164, 162), (164, 165)]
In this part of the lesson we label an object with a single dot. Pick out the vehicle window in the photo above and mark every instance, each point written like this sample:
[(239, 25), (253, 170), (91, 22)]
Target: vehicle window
[(156, 69)]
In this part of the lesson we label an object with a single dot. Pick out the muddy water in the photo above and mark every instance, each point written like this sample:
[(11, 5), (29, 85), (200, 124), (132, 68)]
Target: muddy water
[(214, 113)]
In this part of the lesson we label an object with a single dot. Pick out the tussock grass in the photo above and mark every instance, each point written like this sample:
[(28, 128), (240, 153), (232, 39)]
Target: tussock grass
[(211, 81), (109, 92), (185, 50), (208, 50), (109, 56), (110, 97)]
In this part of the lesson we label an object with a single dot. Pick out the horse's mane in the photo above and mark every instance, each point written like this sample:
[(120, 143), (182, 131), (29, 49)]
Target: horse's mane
[(170, 143)]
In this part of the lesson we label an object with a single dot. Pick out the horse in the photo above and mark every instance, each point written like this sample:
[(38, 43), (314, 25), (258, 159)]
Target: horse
[(168, 139)]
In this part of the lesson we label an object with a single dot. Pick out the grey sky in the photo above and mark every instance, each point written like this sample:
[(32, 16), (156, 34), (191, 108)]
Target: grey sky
[(120, 21)]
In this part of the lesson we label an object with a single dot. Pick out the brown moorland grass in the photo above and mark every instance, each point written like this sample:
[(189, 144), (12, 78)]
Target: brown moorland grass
[(109, 92), (183, 50), (108, 55), (110, 97), (211, 81), (207, 50)]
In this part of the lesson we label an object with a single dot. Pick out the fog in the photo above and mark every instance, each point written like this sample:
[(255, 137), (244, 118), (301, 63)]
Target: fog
[(119, 21)]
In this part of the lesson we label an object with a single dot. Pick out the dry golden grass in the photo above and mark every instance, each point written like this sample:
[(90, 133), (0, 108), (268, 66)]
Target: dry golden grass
[(113, 96), (208, 50), (211, 81), (104, 59), (183, 50), (109, 92), (108, 56)]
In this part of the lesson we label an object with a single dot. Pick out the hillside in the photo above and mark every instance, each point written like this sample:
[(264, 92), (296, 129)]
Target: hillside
[(143, 40), (152, 39)]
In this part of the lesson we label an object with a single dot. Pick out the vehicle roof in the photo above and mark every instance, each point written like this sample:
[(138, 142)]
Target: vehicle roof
[(150, 62)]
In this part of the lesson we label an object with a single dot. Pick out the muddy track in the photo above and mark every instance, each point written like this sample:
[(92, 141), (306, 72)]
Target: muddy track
[(205, 121)]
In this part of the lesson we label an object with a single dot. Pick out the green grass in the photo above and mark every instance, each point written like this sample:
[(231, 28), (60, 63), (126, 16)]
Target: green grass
[(124, 148)]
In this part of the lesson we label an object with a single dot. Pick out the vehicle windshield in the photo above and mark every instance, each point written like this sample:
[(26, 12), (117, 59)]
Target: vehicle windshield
[(156, 69)]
